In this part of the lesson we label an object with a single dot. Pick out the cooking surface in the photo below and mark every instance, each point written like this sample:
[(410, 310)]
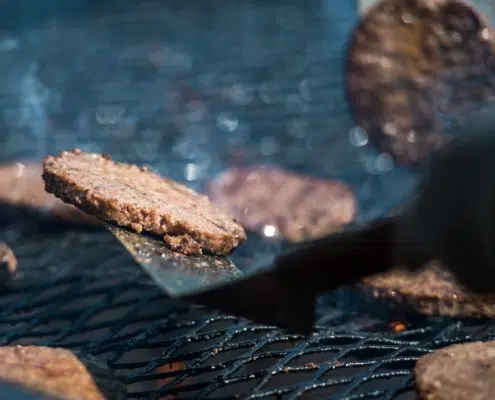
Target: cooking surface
[(106, 306), (189, 90)]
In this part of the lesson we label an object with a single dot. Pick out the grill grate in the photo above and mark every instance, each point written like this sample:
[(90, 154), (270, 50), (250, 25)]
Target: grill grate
[(98, 301), (188, 91)]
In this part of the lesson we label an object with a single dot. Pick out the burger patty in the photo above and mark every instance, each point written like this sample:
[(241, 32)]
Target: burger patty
[(458, 372), (430, 291), (134, 197), (21, 185), (281, 203), (49, 371), (409, 62)]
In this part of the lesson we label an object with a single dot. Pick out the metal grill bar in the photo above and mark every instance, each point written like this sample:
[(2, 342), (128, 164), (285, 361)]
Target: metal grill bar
[(102, 304)]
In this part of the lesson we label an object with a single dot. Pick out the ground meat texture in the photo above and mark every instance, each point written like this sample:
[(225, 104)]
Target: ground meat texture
[(8, 263), (21, 185), (280, 203), (430, 291), (459, 372), (408, 62), (49, 371), (134, 197), (183, 244)]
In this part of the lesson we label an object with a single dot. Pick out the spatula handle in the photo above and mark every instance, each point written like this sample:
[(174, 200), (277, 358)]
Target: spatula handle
[(340, 259)]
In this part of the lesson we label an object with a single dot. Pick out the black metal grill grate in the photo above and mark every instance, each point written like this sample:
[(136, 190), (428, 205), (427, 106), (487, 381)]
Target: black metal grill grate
[(190, 90), (84, 292)]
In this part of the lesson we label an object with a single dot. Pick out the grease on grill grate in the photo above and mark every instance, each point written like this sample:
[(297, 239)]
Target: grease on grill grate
[(99, 302)]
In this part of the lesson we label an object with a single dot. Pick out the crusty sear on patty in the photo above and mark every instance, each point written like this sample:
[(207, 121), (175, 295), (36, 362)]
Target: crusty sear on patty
[(134, 197), (430, 291)]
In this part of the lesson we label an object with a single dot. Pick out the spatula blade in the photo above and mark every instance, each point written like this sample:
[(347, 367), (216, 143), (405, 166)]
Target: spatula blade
[(175, 273)]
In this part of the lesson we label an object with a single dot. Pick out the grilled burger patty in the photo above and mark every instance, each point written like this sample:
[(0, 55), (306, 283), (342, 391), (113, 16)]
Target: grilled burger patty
[(134, 197), (458, 372), (410, 60), (430, 291), (277, 202), (21, 185), (49, 371)]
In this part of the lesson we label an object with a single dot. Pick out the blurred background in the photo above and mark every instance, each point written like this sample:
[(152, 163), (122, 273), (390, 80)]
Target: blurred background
[(189, 88)]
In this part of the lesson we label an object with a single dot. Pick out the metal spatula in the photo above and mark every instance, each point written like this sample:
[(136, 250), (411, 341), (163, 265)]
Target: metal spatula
[(284, 295), (175, 273)]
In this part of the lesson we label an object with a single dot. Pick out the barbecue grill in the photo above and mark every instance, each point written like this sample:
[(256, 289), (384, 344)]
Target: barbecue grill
[(190, 88)]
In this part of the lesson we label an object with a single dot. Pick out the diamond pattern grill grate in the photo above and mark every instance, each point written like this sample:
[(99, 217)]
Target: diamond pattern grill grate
[(99, 302), (188, 91)]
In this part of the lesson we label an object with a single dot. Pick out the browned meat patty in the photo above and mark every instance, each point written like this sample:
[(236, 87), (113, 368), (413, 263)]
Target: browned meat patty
[(408, 60), (277, 202), (8, 263), (49, 371), (459, 372), (134, 197), (430, 291), (21, 185)]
